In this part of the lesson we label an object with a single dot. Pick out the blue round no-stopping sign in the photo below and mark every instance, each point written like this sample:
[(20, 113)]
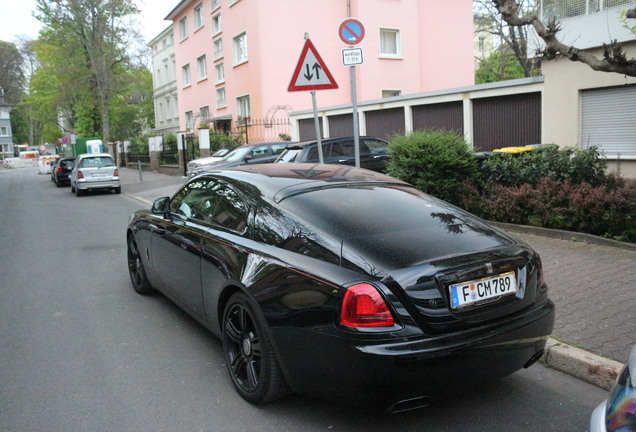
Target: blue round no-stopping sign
[(351, 31)]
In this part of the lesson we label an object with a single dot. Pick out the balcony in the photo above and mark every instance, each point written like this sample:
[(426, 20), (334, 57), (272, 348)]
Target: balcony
[(588, 23)]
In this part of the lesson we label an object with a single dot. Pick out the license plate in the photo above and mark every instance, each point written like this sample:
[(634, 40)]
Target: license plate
[(471, 292), (99, 174)]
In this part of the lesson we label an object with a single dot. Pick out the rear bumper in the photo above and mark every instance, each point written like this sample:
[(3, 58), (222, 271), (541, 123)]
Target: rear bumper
[(381, 374), (111, 183)]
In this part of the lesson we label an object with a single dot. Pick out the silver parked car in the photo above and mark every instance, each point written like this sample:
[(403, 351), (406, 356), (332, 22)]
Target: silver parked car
[(94, 171), (618, 412)]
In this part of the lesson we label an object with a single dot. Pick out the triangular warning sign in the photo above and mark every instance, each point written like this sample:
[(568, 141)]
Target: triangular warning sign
[(311, 72)]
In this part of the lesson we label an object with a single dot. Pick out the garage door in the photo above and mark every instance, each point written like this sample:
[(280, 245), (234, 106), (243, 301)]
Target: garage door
[(607, 120)]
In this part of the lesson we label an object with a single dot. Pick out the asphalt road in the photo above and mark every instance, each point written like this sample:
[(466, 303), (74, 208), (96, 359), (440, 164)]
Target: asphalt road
[(80, 351)]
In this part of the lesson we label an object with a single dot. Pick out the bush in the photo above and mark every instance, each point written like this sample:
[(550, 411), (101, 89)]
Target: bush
[(170, 138), (606, 210), (219, 140), (575, 166), (437, 162)]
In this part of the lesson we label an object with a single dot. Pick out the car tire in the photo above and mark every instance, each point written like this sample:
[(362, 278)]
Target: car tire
[(136, 269), (72, 188), (249, 353), (57, 183), (117, 190), (78, 192)]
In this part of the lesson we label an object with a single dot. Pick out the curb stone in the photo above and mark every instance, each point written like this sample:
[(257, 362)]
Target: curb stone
[(591, 368)]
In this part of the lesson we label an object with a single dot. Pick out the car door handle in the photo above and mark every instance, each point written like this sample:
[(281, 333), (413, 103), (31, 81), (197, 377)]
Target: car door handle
[(156, 229)]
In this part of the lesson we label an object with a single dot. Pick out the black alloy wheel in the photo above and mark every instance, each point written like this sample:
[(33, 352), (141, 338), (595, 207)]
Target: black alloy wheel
[(249, 353), (138, 277)]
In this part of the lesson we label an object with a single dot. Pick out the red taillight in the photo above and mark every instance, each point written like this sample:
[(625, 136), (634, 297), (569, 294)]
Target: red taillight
[(363, 306), (59, 169), (79, 174), (116, 173)]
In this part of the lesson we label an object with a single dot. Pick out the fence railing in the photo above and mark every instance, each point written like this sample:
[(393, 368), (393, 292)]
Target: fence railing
[(257, 131), (137, 157)]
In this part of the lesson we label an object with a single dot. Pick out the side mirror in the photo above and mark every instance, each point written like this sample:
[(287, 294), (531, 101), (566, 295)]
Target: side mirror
[(161, 205)]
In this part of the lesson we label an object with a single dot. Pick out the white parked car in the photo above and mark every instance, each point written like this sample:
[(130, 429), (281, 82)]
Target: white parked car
[(216, 156), (94, 171)]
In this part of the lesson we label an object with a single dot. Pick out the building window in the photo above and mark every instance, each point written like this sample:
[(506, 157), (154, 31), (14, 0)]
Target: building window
[(391, 93), (168, 109), (216, 24), (220, 98), (4, 131), (189, 120), (185, 73), (183, 28), (216, 4), (204, 114), (218, 49), (240, 49), (202, 69), (198, 16), (389, 43), (220, 73), (243, 109)]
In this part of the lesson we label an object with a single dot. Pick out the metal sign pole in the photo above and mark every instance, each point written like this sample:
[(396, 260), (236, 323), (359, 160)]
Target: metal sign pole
[(317, 126), (356, 127)]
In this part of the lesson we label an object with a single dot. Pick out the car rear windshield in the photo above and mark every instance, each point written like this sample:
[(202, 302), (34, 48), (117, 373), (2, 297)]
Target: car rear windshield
[(380, 214), (97, 162)]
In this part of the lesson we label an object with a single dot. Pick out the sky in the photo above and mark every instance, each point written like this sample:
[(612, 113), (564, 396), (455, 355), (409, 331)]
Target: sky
[(17, 18)]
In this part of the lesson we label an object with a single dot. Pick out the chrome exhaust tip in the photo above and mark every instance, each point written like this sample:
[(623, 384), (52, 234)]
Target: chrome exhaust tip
[(409, 404)]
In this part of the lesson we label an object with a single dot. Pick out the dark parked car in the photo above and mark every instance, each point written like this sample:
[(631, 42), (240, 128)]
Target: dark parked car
[(61, 171), (243, 155), (374, 154), (342, 283)]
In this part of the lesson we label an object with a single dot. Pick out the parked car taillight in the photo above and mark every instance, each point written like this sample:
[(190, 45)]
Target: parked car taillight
[(59, 169), (79, 174), (116, 173), (363, 306)]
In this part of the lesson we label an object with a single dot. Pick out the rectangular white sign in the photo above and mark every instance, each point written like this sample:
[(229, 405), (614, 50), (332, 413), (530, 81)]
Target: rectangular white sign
[(352, 56)]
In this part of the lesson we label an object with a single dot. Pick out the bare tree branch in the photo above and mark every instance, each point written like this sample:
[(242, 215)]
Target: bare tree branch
[(614, 58)]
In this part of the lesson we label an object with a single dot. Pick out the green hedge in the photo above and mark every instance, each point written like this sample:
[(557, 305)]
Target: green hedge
[(435, 161), (565, 189)]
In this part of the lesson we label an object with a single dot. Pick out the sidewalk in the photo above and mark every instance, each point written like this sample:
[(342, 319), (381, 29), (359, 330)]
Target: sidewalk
[(591, 280)]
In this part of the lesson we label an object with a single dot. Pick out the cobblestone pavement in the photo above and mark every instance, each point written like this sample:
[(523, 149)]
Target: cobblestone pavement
[(594, 289)]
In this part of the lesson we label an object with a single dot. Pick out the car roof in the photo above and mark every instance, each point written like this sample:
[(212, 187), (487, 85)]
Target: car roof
[(327, 141), (260, 144), (279, 181), (85, 155)]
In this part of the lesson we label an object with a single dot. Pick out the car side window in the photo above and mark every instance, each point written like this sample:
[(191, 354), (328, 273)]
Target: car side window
[(376, 146), (347, 148), (312, 154), (196, 201), (259, 152), (231, 211), (278, 148)]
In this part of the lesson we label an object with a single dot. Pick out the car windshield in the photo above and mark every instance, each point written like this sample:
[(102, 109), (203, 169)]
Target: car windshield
[(289, 155), (97, 162), (220, 153), (237, 155)]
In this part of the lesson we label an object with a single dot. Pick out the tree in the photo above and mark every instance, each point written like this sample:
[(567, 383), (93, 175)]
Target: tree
[(511, 38), (498, 67), (12, 78), (614, 58), (95, 33)]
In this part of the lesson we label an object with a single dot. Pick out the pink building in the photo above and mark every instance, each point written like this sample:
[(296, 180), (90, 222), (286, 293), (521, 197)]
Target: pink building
[(235, 58)]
